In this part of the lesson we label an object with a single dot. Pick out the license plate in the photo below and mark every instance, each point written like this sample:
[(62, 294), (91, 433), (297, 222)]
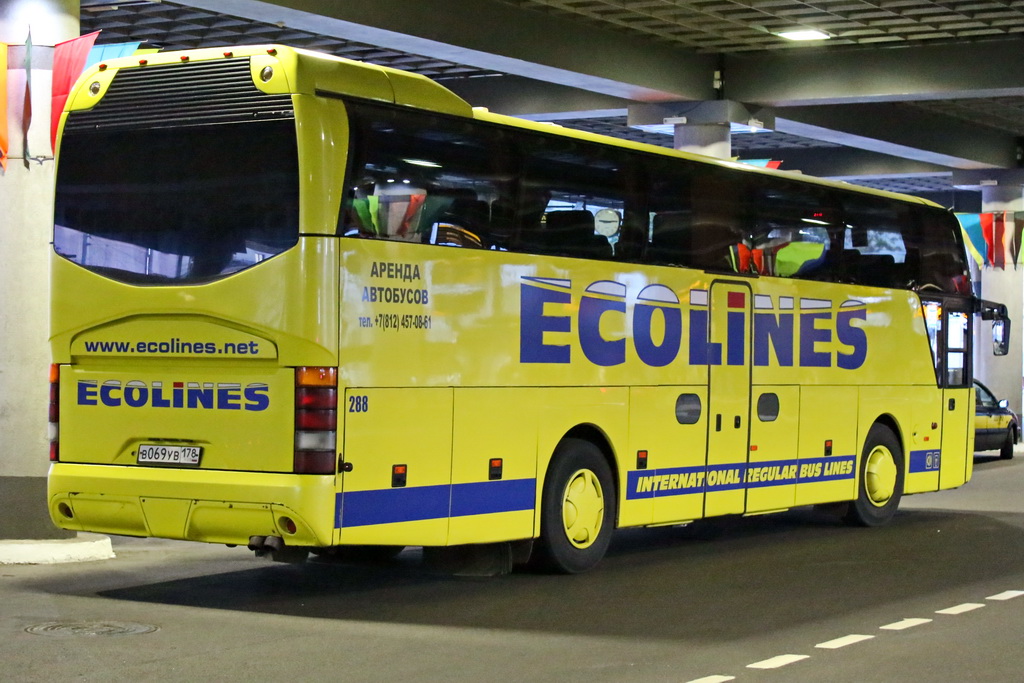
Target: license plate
[(157, 454)]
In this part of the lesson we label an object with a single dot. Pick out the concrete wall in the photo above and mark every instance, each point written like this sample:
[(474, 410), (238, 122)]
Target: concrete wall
[(1002, 374), (26, 215)]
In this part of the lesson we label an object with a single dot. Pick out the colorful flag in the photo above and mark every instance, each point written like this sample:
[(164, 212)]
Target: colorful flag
[(988, 232), (1008, 239), (970, 223), (101, 53), (5, 144), (26, 115), (68, 63), (1018, 234), (762, 163), (999, 240)]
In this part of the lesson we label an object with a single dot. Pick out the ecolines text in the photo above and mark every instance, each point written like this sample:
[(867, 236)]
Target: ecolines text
[(205, 395), (805, 338)]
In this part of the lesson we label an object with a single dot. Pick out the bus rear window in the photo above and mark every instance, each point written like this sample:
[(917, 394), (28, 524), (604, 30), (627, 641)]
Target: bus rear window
[(177, 205)]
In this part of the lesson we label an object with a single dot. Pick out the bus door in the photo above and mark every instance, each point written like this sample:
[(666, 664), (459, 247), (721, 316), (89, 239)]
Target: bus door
[(729, 364), (951, 344), (395, 487)]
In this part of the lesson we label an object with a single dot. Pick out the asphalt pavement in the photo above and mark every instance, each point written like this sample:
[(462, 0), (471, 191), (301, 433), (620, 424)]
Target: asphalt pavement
[(937, 595)]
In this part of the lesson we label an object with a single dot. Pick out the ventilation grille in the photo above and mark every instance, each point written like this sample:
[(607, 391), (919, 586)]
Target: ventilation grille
[(176, 95)]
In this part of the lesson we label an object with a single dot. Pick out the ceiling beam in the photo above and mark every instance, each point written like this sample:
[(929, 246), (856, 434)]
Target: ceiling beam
[(923, 72), (849, 163), (535, 100), (887, 129), (902, 131), (557, 67), (499, 37)]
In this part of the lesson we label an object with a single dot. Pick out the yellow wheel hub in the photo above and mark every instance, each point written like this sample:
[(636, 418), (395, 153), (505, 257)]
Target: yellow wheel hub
[(880, 476), (583, 508)]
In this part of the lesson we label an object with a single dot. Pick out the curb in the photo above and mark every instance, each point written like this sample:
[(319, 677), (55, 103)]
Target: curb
[(84, 548)]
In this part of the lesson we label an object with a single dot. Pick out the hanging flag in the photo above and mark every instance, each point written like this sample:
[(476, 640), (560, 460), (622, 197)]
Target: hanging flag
[(1007, 244), (761, 163), (970, 224), (26, 110), (1018, 234), (68, 63), (412, 214), (5, 143), (102, 53), (999, 240), (988, 232)]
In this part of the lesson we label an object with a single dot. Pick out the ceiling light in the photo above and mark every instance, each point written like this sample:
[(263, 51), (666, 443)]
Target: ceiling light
[(112, 6), (804, 34), (422, 162)]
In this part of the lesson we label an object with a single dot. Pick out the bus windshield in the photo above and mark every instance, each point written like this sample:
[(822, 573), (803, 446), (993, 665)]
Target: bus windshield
[(178, 205)]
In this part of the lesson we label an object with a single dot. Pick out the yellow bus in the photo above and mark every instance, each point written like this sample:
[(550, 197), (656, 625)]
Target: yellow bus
[(302, 303)]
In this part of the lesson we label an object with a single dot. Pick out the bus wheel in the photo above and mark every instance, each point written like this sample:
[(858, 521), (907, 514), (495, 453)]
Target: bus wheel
[(881, 479), (577, 509)]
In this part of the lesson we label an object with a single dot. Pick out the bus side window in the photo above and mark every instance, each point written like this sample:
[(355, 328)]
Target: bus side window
[(571, 233), (425, 178), (670, 238), (879, 250), (462, 223), (941, 263), (696, 216), (678, 240), (565, 185), (795, 231)]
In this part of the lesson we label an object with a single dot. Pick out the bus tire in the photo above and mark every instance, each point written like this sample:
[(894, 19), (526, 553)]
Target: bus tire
[(577, 509), (881, 479)]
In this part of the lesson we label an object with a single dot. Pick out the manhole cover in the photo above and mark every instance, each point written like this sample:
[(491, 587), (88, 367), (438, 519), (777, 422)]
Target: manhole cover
[(90, 628)]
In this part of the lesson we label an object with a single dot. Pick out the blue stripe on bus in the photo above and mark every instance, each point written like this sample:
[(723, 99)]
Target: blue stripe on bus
[(925, 461), (386, 506), (486, 497), (389, 506), (679, 481)]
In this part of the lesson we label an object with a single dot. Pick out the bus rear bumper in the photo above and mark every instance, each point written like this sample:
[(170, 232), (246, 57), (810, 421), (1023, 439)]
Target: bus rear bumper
[(192, 505)]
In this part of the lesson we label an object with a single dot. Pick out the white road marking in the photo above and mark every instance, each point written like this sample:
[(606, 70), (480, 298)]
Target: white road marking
[(960, 609), (1006, 595), (777, 662), (906, 623), (843, 642), (836, 643)]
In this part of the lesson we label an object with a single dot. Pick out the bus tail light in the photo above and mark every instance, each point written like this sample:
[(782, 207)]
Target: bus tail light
[(316, 420), (54, 416)]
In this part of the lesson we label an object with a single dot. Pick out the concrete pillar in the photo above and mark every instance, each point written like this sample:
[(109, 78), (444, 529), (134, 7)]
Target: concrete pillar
[(698, 127), (709, 139), (26, 219), (1002, 374)]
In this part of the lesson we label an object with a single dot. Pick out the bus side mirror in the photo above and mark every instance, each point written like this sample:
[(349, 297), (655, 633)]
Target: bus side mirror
[(1001, 337)]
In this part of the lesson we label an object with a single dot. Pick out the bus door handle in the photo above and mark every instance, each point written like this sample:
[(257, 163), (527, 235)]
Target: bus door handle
[(718, 422), (737, 422), (952, 404)]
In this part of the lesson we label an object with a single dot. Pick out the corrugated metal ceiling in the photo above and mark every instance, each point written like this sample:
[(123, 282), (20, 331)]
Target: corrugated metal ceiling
[(719, 26)]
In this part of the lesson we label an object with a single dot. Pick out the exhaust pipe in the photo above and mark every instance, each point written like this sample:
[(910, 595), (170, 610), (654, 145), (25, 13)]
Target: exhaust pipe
[(274, 547)]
